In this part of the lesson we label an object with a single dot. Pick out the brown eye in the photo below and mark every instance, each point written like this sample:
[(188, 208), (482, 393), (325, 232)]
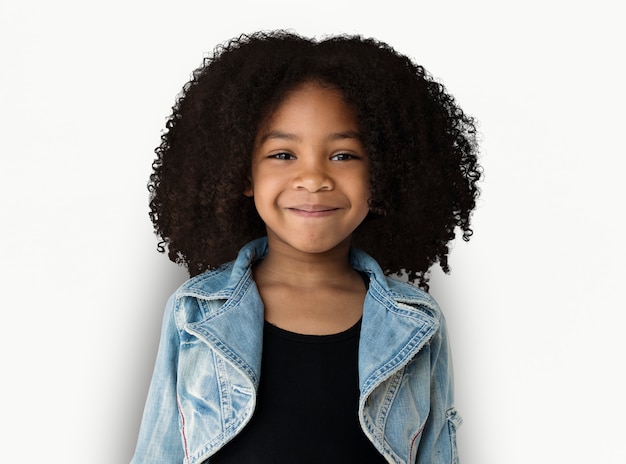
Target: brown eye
[(343, 157), (282, 156)]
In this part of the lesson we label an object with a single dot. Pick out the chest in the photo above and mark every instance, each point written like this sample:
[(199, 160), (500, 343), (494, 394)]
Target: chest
[(307, 403)]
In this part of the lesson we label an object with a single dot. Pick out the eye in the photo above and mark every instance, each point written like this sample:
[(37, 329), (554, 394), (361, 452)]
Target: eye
[(343, 157), (282, 156)]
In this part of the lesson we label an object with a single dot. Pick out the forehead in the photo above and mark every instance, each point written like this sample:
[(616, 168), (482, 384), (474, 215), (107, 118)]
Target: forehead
[(309, 107)]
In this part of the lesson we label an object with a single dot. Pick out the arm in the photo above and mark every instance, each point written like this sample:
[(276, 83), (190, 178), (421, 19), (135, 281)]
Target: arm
[(438, 439), (159, 436)]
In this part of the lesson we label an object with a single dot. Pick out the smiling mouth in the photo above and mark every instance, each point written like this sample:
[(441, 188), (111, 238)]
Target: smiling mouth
[(313, 210)]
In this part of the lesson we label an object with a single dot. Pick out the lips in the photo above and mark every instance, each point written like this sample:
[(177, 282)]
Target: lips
[(313, 210)]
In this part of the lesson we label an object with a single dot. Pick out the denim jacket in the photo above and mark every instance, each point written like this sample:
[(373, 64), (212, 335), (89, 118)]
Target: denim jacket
[(204, 385)]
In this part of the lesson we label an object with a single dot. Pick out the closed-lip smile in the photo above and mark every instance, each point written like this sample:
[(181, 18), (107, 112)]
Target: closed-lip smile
[(313, 210)]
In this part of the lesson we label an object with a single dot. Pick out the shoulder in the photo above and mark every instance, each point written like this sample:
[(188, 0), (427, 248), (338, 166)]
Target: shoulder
[(199, 296), (405, 293), (208, 284), (225, 280), (393, 293)]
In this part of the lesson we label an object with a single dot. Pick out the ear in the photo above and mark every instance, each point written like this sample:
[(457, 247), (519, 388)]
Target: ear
[(249, 190)]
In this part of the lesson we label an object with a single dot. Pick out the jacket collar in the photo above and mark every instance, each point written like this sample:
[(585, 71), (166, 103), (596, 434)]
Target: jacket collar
[(398, 318)]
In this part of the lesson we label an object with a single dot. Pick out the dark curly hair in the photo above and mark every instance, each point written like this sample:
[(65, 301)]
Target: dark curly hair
[(422, 149)]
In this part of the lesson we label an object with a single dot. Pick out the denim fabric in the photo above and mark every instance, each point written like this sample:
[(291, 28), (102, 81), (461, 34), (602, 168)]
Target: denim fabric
[(204, 385)]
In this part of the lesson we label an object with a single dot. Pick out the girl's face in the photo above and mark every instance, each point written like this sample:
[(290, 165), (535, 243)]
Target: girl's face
[(310, 172)]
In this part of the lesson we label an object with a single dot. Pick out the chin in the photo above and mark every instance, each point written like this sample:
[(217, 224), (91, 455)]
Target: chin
[(319, 247)]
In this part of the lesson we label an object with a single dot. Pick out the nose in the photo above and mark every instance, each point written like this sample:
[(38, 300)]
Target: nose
[(313, 177)]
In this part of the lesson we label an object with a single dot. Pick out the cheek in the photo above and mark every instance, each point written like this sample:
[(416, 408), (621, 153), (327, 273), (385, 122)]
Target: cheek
[(264, 199), (364, 197), (365, 187)]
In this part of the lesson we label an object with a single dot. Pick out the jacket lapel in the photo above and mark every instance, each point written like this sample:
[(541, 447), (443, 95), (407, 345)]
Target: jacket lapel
[(392, 333), (235, 329)]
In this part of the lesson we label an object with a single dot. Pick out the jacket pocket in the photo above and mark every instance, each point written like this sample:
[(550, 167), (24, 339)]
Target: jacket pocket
[(454, 422)]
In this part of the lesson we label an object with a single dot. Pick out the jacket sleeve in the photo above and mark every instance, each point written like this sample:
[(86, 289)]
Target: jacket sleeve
[(438, 439), (160, 439)]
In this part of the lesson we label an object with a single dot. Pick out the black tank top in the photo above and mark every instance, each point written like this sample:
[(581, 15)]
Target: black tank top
[(307, 405)]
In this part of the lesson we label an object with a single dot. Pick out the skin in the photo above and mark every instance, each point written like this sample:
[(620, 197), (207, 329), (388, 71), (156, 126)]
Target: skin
[(310, 184)]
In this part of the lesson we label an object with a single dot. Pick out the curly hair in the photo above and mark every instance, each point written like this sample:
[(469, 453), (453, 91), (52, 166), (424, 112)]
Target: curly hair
[(422, 149)]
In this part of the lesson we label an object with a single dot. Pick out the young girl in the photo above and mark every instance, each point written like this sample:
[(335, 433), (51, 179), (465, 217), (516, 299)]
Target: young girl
[(312, 156)]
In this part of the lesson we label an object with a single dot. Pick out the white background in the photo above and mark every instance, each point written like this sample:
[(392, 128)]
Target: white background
[(533, 302)]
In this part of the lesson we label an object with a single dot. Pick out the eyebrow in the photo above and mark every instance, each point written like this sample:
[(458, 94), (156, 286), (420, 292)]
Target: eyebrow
[(276, 134)]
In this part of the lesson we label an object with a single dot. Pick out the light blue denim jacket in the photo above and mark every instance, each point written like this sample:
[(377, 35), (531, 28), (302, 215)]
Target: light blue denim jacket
[(203, 390)]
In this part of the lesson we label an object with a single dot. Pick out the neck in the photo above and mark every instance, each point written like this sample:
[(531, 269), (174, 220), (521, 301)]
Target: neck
[(292, 267)]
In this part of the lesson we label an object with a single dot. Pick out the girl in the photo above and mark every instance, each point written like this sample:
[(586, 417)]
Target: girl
[(317, 154)]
